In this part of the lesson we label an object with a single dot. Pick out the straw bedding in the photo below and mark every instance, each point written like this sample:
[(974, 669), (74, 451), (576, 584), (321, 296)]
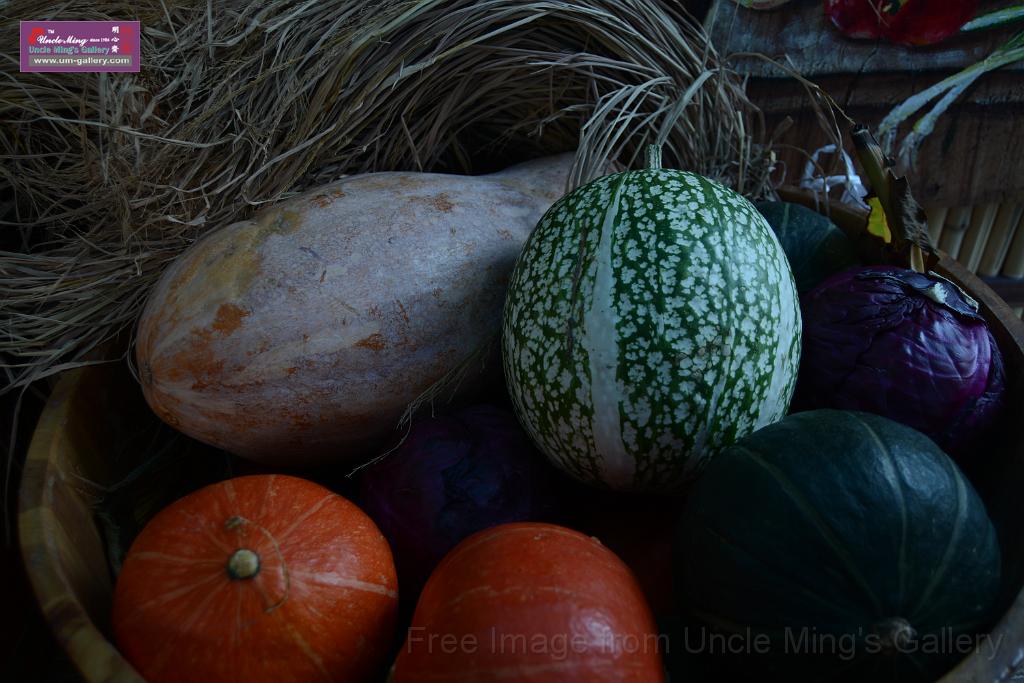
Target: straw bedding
[(110, 176)]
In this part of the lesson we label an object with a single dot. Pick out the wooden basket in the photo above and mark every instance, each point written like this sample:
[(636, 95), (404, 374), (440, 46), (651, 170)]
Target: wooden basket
[(69, 464), (988, 239)]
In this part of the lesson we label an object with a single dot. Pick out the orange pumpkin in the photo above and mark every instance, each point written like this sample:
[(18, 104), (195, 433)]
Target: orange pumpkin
[(259, 578), (534, 603)]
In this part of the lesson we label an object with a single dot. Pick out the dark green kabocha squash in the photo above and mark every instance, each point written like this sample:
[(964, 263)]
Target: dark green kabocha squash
[(815, 247), (841, 546)]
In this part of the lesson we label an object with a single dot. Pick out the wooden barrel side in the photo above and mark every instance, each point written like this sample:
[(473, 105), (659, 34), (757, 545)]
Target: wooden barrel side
[(61, 546)]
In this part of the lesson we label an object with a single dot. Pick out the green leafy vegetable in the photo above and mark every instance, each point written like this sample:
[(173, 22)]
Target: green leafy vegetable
[(949, 89)]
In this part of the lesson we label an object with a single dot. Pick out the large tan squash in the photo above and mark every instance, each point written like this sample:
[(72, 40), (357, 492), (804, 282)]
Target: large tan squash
[(300, 336)]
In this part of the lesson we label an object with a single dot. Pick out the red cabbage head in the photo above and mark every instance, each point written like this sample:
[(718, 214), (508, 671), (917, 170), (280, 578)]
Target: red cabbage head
[(905, 345), (454, 475)]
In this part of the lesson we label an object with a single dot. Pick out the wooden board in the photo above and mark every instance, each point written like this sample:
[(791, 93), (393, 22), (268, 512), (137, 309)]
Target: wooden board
[(963, 162)]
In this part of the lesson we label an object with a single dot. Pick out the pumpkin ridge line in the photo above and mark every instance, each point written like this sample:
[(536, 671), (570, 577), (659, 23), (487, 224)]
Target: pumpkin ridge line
[(954, 538), (776, 572), (308, 650), (215, 540), (823, 528), (176, 593), (489, 538), (305, 516), (165, 652), (898, 479), (174, 559), (230, 493), (236, 634), (513, 588), (268, 493), (334, 579)]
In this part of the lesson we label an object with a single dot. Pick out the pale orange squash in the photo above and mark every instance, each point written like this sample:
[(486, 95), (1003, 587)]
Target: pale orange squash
[(302, 335)]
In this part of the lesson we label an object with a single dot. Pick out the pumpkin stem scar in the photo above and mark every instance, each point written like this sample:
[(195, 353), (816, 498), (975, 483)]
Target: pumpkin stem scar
[(237, 522), (895, 635), (243, 564)]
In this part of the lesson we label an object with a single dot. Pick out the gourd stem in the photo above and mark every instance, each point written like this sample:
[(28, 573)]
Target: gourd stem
[(654, 157), (895, 635), (238, 522), (243, 564)]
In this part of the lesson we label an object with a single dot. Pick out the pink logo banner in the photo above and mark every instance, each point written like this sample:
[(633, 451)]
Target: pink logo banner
[(70, 46)]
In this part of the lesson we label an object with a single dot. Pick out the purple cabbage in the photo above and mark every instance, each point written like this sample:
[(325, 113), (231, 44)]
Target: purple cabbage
[(905, 345), (453, 476)]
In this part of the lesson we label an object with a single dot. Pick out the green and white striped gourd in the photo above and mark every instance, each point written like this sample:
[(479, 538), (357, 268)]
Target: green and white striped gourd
[(651, 321)]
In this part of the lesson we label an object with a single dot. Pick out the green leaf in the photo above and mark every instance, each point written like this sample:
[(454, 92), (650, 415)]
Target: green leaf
[(1001, 17), (947, 90)]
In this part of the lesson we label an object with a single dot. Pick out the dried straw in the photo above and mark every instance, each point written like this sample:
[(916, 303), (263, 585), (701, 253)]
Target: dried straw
[(239, 104)]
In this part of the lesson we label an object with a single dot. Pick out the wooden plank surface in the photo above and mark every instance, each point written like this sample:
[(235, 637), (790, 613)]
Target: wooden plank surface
[(964, 162), (801, 31)]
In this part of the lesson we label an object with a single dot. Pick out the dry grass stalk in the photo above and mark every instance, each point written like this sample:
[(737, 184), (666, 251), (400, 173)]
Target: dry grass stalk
[(240, 104)]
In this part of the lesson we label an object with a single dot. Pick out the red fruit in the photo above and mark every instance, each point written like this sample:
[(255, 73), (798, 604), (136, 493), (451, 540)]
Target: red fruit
[(910, 22)]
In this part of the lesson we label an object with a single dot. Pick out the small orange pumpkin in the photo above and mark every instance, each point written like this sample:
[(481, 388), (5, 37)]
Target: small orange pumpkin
[(259, 578), (531, 603)]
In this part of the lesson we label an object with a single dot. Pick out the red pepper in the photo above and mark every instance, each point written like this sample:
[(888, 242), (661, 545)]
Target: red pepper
[(909, 22)]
